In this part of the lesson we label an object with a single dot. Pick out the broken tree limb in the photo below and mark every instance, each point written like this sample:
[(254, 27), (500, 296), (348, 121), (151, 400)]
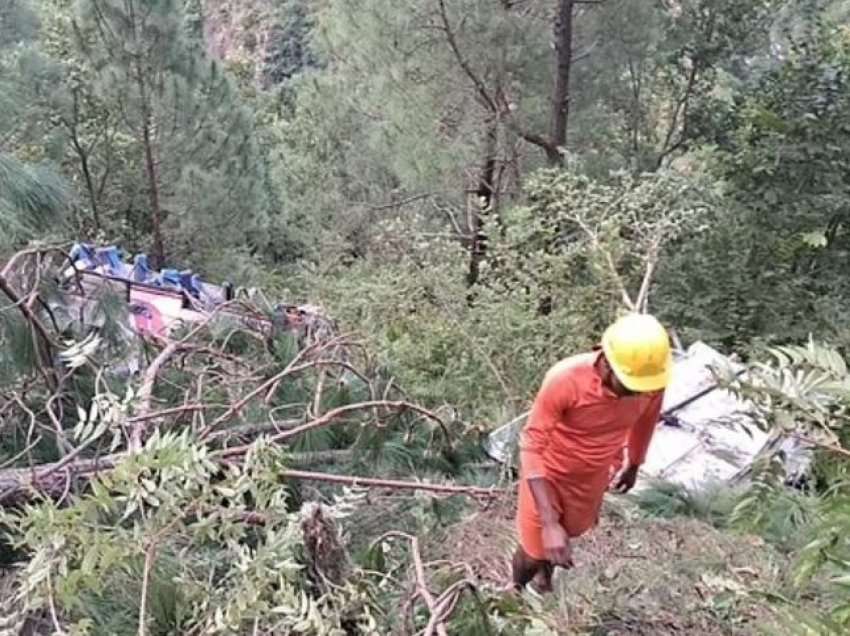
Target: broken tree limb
[(295, 366), (393, 484), (422, 591), (23, 483), (440, 608), (336, 414), (146, 393)]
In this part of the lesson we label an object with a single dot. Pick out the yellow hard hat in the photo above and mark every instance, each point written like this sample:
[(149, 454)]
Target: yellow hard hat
[(638, 349)]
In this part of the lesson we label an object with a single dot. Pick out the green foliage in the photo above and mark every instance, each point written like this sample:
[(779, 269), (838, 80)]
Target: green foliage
[(335, 151), (804, 392), (32, 199), (828, 553), (573, 246), (161, 525), (769, 509), (772, 266), (608, 236), (112, 79), (288, 51), (18, 22), (18, 353), (660, 76), (712, 504)]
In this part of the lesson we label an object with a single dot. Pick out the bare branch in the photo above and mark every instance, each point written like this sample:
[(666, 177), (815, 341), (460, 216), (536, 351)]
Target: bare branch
[(597, 244), (462, 61), (145, 393), (150, 555), (397, 204), (335, 414), (530, 137), (441, 608), (642, 302), (21, 483)]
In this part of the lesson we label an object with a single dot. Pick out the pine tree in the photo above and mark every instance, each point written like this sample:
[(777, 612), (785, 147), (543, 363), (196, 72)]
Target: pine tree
[(289, 51), (194, 140), (33, 197)]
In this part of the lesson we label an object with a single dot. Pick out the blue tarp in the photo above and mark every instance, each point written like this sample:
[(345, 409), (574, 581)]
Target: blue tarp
[(141, 271), (110, 260)]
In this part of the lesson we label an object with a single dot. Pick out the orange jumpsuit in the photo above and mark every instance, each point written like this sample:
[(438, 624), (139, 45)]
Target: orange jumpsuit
[(575, 437)]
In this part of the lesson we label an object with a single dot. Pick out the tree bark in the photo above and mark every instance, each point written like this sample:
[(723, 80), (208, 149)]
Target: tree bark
[(485, 197), (560, 107), (158, 255), (83, 156), (153, 178)]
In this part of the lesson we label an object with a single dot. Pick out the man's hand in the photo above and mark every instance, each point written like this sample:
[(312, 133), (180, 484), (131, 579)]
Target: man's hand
[(626, 480), (556, 543)]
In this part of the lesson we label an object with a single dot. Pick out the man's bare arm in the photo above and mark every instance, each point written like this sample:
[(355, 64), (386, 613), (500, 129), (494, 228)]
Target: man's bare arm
[(556, 542)]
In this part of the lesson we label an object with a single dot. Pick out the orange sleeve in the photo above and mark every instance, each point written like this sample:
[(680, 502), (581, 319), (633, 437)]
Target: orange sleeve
[(641, 433), (555, 396)]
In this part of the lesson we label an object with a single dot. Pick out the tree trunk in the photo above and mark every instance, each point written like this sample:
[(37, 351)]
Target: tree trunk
[(83, 155), (158, 256), (560, 107), (84, 164), (485, 195), (153, 179)]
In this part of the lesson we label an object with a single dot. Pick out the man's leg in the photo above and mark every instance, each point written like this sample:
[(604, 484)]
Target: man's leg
[(526, 569), (543, 579)]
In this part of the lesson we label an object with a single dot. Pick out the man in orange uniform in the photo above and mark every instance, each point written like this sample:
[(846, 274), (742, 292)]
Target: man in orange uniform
[(590, 407)]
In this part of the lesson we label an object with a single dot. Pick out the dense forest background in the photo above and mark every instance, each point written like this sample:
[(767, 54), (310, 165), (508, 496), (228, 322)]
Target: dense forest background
[(472, 189)]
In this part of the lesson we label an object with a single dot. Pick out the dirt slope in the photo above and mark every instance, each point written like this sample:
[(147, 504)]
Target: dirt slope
[(637, 576)]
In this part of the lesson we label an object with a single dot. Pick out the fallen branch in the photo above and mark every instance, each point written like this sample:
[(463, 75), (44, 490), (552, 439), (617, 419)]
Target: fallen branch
[(440, 608), (177, 410), (422, 591), (392, 484), (336, 414), (292, 368), (146, 393), (22, 483)]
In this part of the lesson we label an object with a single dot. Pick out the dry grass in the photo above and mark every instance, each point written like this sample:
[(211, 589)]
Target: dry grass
[(634, 575), (14, 621)]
